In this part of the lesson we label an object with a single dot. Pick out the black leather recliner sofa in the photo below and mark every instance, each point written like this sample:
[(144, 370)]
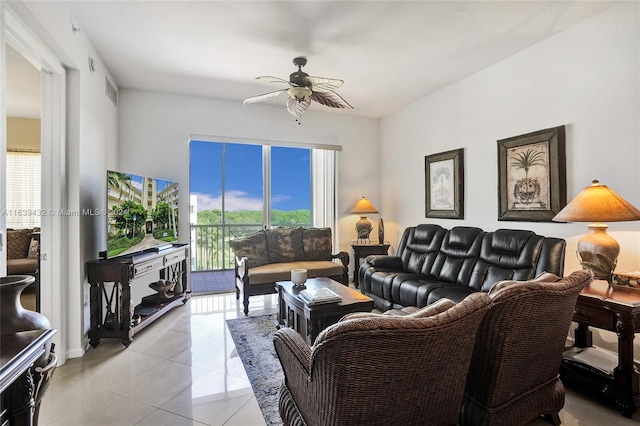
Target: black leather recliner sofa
[(432, 263)]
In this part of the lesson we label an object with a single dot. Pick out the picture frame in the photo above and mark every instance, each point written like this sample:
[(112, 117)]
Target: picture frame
[(532, 184), (444, 184)]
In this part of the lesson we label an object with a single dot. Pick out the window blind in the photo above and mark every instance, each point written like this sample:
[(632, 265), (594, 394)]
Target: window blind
[(23, 189)]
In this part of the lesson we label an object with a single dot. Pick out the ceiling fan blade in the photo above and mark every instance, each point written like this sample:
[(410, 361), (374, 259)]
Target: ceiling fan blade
[(330, 99), (297, 107), (269, 79), (323, 84), (263, 97)]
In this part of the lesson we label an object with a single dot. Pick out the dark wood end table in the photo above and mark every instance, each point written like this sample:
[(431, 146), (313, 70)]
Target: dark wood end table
[(361, 251), (615, 309), (309, 321)]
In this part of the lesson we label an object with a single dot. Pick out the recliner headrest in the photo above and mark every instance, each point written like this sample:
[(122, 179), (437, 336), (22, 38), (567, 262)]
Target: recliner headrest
[(509, 241), (462, 237), (426, 232)]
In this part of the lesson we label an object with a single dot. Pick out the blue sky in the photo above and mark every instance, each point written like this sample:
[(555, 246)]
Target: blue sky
[(290, 180)]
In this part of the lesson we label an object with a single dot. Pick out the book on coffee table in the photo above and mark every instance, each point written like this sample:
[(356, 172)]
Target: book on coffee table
[(316, 296)]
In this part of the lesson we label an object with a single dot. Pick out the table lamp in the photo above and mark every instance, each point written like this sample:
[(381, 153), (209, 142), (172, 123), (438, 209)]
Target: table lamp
[(363, 226), (597, 250)]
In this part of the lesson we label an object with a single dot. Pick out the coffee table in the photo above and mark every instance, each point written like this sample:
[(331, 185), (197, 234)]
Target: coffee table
[(309, 321)]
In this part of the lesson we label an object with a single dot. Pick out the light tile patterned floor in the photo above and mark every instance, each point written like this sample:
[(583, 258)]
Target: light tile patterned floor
[(184, 370)]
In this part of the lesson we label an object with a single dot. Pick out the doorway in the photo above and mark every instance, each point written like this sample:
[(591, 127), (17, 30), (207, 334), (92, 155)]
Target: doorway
[(23, 171), (53, 258)]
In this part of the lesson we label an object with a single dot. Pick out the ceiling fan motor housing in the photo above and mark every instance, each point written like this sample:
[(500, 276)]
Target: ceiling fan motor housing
[(298, 78)]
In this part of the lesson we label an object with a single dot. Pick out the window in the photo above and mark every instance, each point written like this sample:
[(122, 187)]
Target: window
[(240, 188), (23, 189)]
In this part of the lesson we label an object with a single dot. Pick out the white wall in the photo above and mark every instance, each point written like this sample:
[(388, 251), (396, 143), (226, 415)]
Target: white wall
[(586, 78), (154, 130)]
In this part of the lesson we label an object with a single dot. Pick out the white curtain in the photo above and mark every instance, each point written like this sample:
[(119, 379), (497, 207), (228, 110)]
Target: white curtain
[(23, 189), (323, 189)]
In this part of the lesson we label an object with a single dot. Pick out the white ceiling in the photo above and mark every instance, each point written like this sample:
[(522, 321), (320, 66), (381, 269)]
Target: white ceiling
[(389, 53)]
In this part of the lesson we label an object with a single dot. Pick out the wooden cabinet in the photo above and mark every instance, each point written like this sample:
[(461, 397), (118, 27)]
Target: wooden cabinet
[(111, 310), (615, 309), (22, 385)]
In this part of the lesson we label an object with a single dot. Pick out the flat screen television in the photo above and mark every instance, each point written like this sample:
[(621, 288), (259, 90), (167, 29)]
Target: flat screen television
[(142, 213)]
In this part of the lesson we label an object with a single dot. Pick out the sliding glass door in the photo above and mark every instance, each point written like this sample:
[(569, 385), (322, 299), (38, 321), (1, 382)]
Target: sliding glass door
[(237, 189), (290, 189)]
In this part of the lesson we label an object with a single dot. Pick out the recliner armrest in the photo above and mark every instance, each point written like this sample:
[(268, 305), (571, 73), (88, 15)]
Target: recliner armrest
[(385, 262)]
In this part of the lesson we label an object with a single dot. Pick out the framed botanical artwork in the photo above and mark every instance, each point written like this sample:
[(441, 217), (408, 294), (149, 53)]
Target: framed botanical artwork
[(532, 184), (444, 184)]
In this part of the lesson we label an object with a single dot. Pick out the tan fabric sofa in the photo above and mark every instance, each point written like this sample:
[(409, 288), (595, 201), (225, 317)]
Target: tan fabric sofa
[(268, 256), (22, 251)]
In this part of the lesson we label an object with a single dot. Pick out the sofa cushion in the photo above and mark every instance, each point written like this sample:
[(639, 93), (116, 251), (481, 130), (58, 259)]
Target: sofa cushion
[(317, 243), (273, 272), (422, 246), (253, 247), (457, 256), (22, 266), (506, 255), (285, 244), (18, 243)]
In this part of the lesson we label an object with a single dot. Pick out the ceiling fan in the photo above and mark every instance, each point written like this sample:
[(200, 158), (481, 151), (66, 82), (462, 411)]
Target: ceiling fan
[(303, 89)]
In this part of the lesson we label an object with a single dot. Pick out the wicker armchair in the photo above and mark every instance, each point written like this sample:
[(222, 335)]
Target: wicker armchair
[(414, 374), (513, 377)]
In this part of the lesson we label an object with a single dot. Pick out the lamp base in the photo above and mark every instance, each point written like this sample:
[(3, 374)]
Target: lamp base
[(598, 251), (363, 228)]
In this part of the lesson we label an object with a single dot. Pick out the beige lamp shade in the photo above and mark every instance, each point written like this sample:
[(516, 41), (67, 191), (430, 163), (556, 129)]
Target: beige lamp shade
[(598, 203), (364, 206), (363, 226)]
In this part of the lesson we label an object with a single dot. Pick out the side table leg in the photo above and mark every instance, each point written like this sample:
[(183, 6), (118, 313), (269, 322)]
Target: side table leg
[(625, 376), (125, 314), (95, 313), (355, 274), (584, 336)]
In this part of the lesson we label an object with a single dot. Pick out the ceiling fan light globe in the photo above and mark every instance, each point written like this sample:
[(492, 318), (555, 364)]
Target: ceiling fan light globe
[(299, 93)]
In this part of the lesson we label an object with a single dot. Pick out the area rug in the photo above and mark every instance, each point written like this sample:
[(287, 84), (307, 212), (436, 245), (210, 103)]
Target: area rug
[(253, 338)]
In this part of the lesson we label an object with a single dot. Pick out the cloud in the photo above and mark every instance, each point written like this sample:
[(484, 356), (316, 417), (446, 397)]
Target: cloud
[(233, 201)]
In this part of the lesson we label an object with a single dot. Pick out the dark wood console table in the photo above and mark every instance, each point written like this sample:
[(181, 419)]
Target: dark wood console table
[(361, 251), (616, 310), (111, 310), (18, 387)]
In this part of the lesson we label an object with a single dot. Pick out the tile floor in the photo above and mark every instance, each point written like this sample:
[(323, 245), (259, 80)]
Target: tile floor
[(184, 370)]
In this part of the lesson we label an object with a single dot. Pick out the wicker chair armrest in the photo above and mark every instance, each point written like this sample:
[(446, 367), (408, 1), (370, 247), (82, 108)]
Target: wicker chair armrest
[(293, 351), (343, 256)]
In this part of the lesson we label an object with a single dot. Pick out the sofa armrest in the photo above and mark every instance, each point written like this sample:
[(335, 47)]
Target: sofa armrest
[(385, 262), (242, 267), (343, 256)]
